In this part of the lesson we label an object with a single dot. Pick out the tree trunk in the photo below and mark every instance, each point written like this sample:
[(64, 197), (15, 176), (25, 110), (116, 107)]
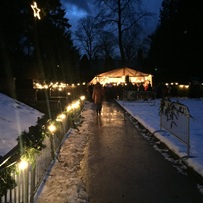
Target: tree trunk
[(120, 41)]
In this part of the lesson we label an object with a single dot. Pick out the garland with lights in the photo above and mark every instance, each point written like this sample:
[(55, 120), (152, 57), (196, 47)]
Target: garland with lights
[(7, 182), (31, 143)]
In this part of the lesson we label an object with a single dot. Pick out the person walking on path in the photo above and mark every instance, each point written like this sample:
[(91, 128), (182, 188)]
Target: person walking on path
[(98, 96)]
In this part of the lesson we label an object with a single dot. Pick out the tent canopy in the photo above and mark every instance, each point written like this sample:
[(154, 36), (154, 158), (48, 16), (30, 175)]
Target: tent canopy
[(118, 76)]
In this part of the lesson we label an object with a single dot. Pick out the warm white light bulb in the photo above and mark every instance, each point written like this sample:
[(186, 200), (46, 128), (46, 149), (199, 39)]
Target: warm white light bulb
[(52, 128), (23, 165)]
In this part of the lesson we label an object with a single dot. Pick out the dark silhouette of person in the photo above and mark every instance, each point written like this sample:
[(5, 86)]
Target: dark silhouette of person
[(98, 96), (149, 87)]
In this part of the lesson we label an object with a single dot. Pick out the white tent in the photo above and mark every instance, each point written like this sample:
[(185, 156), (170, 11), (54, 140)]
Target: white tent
[(118, 76)]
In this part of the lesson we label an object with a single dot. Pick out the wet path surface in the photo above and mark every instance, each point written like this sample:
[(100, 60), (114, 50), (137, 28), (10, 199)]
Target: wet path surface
[(121, 166)]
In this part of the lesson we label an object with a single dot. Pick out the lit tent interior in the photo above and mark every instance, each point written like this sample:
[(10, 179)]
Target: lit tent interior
[(118, 76)]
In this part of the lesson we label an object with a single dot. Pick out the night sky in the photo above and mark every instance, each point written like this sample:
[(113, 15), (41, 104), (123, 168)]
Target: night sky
[(77, 9)]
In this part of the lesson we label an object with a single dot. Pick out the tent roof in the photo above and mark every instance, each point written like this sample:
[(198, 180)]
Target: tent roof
[(119, 72), (118, 76)]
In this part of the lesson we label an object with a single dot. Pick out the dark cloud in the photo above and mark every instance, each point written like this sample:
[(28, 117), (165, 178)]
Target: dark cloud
[(80, 4), (77, 9)]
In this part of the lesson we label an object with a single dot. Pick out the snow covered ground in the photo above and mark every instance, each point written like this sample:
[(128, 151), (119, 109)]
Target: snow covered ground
[(63, 183), (62, 188), (147, 113)]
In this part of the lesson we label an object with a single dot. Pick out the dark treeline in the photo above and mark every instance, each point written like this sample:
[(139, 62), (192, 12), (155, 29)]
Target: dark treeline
[(35, 48), (47, 49), (177, 45)]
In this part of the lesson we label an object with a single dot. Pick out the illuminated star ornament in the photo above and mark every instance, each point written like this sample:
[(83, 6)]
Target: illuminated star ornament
[(36, 10)]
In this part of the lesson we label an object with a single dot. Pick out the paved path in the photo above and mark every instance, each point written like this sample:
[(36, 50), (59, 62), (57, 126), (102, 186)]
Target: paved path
[(121, 166)]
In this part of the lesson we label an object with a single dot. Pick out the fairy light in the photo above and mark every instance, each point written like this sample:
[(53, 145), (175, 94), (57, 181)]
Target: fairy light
[(23, 165), (61, 117), (82, 98), (52, 128), (76, 104), (68, 108), (36, 10), (59, 86)]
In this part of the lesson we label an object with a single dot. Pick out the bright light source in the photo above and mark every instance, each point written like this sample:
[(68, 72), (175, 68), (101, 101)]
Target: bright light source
[(61, 117), (23, 165), (36, 10), (52, 128), (76, 105), (82, 98), (68, 108)]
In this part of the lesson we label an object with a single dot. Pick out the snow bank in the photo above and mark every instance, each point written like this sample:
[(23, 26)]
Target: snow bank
[(64, 184)]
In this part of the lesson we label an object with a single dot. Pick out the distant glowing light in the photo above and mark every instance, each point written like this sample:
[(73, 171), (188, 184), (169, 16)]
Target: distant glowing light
[(75, 105), (184, 86), (82, 98), (36, 10)]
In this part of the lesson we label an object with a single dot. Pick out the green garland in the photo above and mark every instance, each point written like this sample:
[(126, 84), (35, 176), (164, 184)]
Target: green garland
[(29, 144), (6, 180)]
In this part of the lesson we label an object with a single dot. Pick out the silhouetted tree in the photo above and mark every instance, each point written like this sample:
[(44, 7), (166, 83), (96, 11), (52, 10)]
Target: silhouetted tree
[(120, 16), (131, 45), (33, 48), (106, 44), (177, 44), (85, 69), (87, 35)]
